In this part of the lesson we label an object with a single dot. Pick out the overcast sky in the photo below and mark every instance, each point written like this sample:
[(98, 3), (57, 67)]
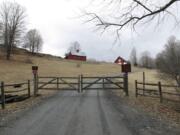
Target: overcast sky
[(58, 22)]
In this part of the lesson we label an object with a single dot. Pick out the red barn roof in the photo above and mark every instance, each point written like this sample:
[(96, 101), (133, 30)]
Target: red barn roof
[(120, 60)]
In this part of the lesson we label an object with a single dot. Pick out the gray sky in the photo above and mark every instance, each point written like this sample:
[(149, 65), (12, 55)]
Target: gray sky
[(58, 23)]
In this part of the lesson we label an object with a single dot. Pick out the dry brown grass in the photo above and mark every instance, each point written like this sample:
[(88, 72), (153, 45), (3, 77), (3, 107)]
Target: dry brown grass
[(19, 70), (165, 110), (151, 76)]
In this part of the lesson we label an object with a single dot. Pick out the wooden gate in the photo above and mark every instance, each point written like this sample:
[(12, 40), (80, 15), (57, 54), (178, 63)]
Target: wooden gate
[(104, 83), (82, 83), (58, 83)]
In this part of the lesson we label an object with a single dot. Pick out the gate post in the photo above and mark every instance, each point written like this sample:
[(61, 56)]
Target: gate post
[(103, 83), (29, 89), (80, 89), (81, 84), (160, 92), (35, 79), (136, 88), (143, 83), (126, 84), (57, 83), (2, 96)]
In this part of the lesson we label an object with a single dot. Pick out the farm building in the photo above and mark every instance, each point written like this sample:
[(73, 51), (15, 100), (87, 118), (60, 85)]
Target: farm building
[(75, 53), (76, 57), (120, 61)]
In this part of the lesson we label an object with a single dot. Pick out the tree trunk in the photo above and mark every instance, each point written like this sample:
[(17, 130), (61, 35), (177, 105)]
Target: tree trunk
[(8, 52)]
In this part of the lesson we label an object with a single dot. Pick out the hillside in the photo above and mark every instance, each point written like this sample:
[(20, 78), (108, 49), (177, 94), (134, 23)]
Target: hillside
[(19, 67)]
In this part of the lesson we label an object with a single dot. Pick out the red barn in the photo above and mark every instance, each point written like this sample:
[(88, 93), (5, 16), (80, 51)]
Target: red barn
[(75, 57), (75, 53), (120, 61)]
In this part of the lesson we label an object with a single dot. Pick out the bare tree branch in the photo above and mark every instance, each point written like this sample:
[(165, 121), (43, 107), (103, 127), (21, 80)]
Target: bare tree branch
[(130, 17), (139, 3)]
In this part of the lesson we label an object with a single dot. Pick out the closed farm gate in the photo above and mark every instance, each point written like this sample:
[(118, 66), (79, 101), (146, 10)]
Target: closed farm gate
[(103, 83), (58, 83), (82, 83)]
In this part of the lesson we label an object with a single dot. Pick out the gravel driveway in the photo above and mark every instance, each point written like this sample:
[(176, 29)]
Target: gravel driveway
[(88, 113)]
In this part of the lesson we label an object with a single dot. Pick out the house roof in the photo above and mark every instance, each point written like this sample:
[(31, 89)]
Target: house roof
[(120, 58)]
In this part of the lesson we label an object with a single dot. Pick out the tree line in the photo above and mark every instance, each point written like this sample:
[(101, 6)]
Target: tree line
[(167, 61), (13, 30)]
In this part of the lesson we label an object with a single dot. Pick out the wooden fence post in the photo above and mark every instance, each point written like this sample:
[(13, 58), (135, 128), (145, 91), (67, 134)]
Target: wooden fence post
[(103, 83), (81, 83), (143, 83), (35, 84), (136, 88), (57, 83), (160, 92), (126, 84), (35, 80), (2, 96), (29, 89)]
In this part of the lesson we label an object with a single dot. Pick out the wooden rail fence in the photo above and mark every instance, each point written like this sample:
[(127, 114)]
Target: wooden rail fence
[(157, 90), (14, 90), (81, 83)]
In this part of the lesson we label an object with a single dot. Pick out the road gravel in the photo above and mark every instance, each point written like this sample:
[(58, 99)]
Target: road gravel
[(88, 113)]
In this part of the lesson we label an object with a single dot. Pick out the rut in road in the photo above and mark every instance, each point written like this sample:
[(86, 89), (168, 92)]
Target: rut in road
[(88, 113)]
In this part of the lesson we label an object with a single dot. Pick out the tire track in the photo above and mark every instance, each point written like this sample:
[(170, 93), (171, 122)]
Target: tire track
[(104, 123), (74, 125)]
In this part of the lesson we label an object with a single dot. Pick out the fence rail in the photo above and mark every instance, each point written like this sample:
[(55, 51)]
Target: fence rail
[(15, 89), (72, 83), (58, 83), (157, 91), (80, 83), (107, 83)]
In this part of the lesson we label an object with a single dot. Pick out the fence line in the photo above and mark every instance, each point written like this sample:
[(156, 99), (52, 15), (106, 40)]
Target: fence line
[(4, 86), (157, 92), (10, 92)]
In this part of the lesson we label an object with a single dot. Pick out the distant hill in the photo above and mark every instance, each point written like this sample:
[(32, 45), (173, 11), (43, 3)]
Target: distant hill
[(22, 51)]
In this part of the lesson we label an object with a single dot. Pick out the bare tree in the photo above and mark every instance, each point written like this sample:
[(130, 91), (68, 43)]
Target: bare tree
[(12, 18), (1, 33), (133, 12), (133, 57), (146, 60), (168, 61), (33, 41), (74, 48)]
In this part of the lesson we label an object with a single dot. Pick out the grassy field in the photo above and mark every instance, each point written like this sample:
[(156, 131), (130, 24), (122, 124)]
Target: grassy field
[(19, 69), (151, 76), (166, 110)]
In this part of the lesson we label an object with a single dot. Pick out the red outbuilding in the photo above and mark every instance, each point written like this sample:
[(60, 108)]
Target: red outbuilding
[(75, 57), (120, 61), (75, 53)]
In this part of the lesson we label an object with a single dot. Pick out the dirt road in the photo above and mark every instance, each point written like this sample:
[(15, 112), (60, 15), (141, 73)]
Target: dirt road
[(89, 113)]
